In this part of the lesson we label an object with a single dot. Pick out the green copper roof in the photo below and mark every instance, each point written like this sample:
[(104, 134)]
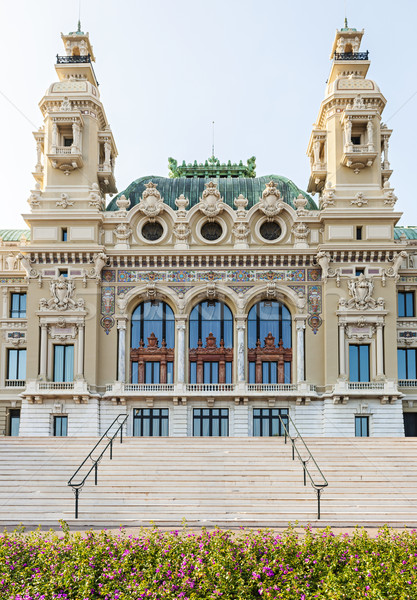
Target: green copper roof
[(212, 168), (410, 233), (229, 187), (14, 235)]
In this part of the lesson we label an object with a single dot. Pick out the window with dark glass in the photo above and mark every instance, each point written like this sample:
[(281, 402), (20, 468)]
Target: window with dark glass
[(60, 426), (361, 426), (407, 366), (64, 234), (406, 304), (358, 362), (266, 421), (150, 422), (152, 343), (211, 422), (16, 364), (14, 422), (18, 306), (63, 363), (269, 343), (211, 343)]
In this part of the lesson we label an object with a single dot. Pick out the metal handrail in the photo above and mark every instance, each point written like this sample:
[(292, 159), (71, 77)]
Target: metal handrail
[(317, 486), (77, 487)]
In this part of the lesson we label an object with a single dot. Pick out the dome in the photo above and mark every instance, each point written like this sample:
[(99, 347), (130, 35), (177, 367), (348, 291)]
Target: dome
[(229, 187)]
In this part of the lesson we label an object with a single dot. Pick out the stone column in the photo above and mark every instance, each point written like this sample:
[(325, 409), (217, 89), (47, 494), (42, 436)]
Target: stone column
[(342, 360), (80, 361), (121, 363), (379, 351), (300, 326), (44, 351), (241, 351), (5, 303), (181, 351)]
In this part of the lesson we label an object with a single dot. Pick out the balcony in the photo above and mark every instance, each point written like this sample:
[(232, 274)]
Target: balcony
[(351, 55), (387, 391), (15, 383), (106, 178), (66, 158), (37, 391), (70, 60), (357, 157)]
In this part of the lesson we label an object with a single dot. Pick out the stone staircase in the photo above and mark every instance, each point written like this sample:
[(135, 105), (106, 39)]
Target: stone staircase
[(229, 482)]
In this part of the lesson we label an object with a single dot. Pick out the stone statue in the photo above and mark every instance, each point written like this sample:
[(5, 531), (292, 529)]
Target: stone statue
[(11, 261), (370, 130), (316, 151), (340, 45), (348, 132), (240, 231)]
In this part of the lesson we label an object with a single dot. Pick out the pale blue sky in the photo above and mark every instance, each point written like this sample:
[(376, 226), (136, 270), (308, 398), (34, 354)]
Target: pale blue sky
[(168, 69)]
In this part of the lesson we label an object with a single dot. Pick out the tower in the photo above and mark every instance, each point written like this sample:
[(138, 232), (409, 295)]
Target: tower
[(76, 151)]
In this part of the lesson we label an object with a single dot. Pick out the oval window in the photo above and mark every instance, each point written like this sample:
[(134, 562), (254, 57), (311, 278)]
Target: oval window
[(211, 231), (270, 230), (152, 231)]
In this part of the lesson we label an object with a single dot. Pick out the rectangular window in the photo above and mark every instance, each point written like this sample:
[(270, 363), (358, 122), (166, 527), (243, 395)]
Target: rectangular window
[(359, 272), (211, 422), (64, 234), (269, 372), (152, 371), (18, 306), (170, 372), (359, 232), (211, 372), (361, 426), (68, 141), (60, 426), (63, 272), (16, 364), (356, 140), (228, 372), (266, 421), (63, 363), (150, 422), (407, 358), (406, 304), (14, 422), (358, 362), (252, 371)]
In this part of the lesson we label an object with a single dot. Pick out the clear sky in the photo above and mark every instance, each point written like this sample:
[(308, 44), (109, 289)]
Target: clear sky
[(168, 69)]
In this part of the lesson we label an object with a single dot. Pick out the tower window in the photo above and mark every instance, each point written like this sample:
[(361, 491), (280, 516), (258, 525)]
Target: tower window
[(356, 140), (359, 232), (359, 272), (68, 141), (64, 234)]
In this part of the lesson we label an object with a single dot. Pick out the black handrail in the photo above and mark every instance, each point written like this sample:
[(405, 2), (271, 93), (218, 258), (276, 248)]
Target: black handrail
[(317, 486), (77, 487), (351, 55)]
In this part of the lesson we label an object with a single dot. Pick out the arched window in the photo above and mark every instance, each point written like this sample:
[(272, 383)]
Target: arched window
[(269, 343), (211, 343), (152, 343)]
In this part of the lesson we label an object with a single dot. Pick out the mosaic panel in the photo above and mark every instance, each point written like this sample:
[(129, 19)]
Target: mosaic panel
[(236, 275), (298, 289), (123, 289), (107, 323), (408, 279), (107, 300), (11, 280), (408, 334), (314, 307), (128, 276), (108, 275), (180, 276), (313, 275), (210, 276), (241, 289)]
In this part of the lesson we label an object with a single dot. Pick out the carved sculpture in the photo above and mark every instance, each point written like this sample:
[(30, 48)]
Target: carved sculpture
[(11, 261), (35, 196), (26, 264), (181, 231), (300, 232), (241, 203), (327, 196), (96, 201), (122, 232), (240, 231), (151, 203), (123, 203), (300, 205), (271, 203), (396, 264), (358, 103), (390, 197), (181, 203), (62, 290), (323, 259), (66, 105), (359, 200), (100, 260), (360, 291), (65, 201), (211, 202)]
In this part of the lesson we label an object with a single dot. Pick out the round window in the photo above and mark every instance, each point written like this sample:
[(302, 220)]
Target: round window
[(211, 231), (270, 230), (152, 231)]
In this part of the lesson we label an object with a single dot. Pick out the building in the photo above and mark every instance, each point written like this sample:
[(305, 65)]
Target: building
[(213, 300)]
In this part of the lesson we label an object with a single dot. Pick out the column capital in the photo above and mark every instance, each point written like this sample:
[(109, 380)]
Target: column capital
[(121, 323)]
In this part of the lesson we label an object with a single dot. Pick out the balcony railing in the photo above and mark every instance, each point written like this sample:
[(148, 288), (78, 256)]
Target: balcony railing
[(366, 385), (67, 60), (272, 387), (351, 55), (15, 383), (148, 387), (210, 387), (360, 148), (407, 383), (63, 150), (55, 385)]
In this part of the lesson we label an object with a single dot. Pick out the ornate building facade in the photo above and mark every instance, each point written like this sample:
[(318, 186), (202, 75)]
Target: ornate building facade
[(212, 301)]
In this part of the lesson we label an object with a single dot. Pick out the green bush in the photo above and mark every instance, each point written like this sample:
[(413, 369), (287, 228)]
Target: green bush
[(213, 564)]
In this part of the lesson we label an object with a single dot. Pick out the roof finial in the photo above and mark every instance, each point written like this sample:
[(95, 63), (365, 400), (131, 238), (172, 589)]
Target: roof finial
[(346, 23), (212, 145), (79, 17)]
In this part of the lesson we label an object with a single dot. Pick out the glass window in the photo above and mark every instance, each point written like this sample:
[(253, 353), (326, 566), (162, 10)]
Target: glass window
[(358, 362), (211, 317), (170, 372), (266, 421), (14, 421), (269, 316), (211, 422), (361, 426), (407, 358), (270, 372), (211, 372), (18, 306), (152, 371), (406, 304), (153, 317), (63, 363), (150, 422), (16, 364), (60, 426), (252, 370)]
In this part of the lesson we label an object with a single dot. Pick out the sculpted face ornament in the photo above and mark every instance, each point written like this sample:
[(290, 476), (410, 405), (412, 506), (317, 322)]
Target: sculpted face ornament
[(271, 203), (62, 290), (211, 202), (151, 202)]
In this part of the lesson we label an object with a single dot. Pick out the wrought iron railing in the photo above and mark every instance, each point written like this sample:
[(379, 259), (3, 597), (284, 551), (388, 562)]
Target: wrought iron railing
[(318, 487), (120, 420), (67, 60), (351, 55)]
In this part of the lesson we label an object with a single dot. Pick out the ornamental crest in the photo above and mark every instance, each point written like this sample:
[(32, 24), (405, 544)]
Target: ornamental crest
[(211, 202), (271, 203), (151, 202), (62, 290), (361, 290)]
